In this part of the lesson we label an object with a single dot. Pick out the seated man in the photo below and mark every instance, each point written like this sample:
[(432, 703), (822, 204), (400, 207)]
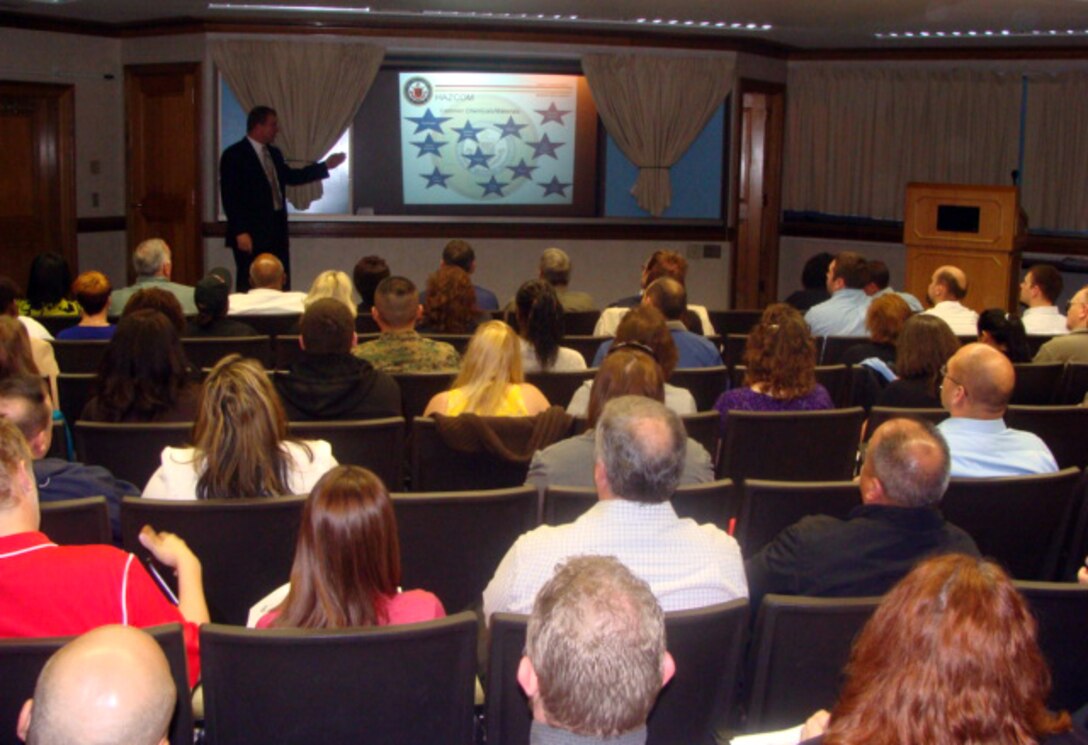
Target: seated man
[(843, 314), (880, 284), (153, 266), (266, 295), (1072, 347), (400, 348), (111, 685), (51, 590), (978, 383), (670, 297), (660, 264), (640, 456), (555, 270), (595, 655), (904, 476), (947, 288), (1039, 291), (24, 400), (328, 382)]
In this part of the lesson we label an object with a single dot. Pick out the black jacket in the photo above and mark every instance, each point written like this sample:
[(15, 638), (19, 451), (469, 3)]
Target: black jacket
[(331, 387)]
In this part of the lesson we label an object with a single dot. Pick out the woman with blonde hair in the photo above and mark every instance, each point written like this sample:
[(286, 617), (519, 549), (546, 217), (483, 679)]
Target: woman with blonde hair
[(334, 284), (346, 571), (780, 374), (240, 443), (490, 382), (949, 657)]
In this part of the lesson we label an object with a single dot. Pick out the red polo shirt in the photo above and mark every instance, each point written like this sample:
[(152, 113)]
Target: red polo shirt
[(51, 590)]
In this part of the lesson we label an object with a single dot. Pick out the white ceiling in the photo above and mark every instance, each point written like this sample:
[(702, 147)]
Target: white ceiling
[(803, 24)]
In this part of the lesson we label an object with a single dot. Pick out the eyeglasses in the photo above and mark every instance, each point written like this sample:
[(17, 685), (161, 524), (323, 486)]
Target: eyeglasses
[(1071, 303), (945, 376)]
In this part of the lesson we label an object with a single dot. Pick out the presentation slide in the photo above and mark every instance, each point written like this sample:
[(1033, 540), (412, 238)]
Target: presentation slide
[(482, 139)]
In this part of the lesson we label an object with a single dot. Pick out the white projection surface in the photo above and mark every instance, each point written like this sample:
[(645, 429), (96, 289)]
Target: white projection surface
[(487, 138)]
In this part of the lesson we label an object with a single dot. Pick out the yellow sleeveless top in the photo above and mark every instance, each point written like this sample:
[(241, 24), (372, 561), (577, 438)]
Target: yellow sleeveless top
[(513, 403)]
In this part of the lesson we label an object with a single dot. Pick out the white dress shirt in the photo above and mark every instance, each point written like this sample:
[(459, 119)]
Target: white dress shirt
[(962, 320), (1044, 320), (265, 302)]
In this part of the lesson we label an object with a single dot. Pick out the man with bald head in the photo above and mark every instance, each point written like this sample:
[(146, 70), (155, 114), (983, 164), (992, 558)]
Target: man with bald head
[(947, 287), (898, 523), (1072, 347), (111, 685), (266, 295), (669, 296), (977, 384)]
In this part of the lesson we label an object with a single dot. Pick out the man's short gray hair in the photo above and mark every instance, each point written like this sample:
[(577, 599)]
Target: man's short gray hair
[(911, 459), (149, 257), (555, 266), (596, 639), (642, 445)]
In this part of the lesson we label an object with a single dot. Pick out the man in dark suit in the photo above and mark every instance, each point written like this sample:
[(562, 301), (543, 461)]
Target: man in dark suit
[(253, 177)]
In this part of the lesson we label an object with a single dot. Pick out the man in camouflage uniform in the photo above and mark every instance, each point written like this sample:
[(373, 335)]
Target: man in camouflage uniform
[(399, 348)]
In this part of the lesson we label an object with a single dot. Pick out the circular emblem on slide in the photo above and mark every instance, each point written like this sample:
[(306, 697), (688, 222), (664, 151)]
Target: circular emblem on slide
[(417, 91)]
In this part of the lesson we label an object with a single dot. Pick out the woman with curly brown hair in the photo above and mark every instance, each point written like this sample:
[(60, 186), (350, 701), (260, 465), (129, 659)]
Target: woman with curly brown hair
[(925, 344), (780, 375), (450, 305), (949, 657), (885, 319)]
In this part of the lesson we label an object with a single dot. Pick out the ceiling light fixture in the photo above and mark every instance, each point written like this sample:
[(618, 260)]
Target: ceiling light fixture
[(973, 34), (266, 7)]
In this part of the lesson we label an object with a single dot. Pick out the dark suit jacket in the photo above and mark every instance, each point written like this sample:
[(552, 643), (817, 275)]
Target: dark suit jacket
[(247, 195)]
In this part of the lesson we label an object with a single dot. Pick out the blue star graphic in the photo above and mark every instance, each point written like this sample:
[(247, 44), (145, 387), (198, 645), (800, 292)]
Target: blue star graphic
[(544, 147), (555, 186), (551, 114), (467, 132), (492, 187), (436, 178), (522, 170), (429, 145), (428, 121), (510, 128), (478, 158)]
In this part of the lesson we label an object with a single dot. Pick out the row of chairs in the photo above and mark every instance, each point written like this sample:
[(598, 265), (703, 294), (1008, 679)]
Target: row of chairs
[(415, 683)]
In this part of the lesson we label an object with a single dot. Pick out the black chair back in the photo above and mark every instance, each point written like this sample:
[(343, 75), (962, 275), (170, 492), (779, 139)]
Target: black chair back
[(1020, 521), (72, 522), (412, 683), (1035, 341), (1074, 383), (80, 356), (703, 427), (836, 379), (129, 451), (707, 644), (584, 345), (1036, 385), (451, 543), (285, 352), (733, 349), (22, 661), (74, 391), (798, 651), (880, 414), (417, 390), (716, 503), (204, 351), (580, 322), (834, 348), (791, 445), (768, 507), (734, 321), (559, 387), (377, 444), (246, 546), (1060, 609), (1058, 426), (272, 324), (705, 383)]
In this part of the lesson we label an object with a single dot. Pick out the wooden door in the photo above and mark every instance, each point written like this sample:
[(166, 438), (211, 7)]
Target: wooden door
[(163, 150), (759, 193), (37, 175)]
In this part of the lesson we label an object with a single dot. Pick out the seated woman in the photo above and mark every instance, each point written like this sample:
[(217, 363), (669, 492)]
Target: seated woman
[(20, 354), (884, 320), (92, 291), (1004, 331), (346, 572), (925, 344), (490, 382), (143, 375), (450, 303), (240, 443), (47, 288), (643, 327), (334, 284), (780, 374), (950, 656), (156, 298), (540, 325), (626, 371)]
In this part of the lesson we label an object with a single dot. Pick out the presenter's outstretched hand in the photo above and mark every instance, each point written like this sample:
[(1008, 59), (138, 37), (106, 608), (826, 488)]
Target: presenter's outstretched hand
[(334, 160), (245, 243)]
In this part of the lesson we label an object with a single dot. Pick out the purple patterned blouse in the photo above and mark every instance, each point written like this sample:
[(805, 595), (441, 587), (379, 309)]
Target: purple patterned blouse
[(745, 399)]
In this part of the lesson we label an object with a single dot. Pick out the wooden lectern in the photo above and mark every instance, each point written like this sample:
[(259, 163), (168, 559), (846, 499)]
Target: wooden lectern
[(977, 228)]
